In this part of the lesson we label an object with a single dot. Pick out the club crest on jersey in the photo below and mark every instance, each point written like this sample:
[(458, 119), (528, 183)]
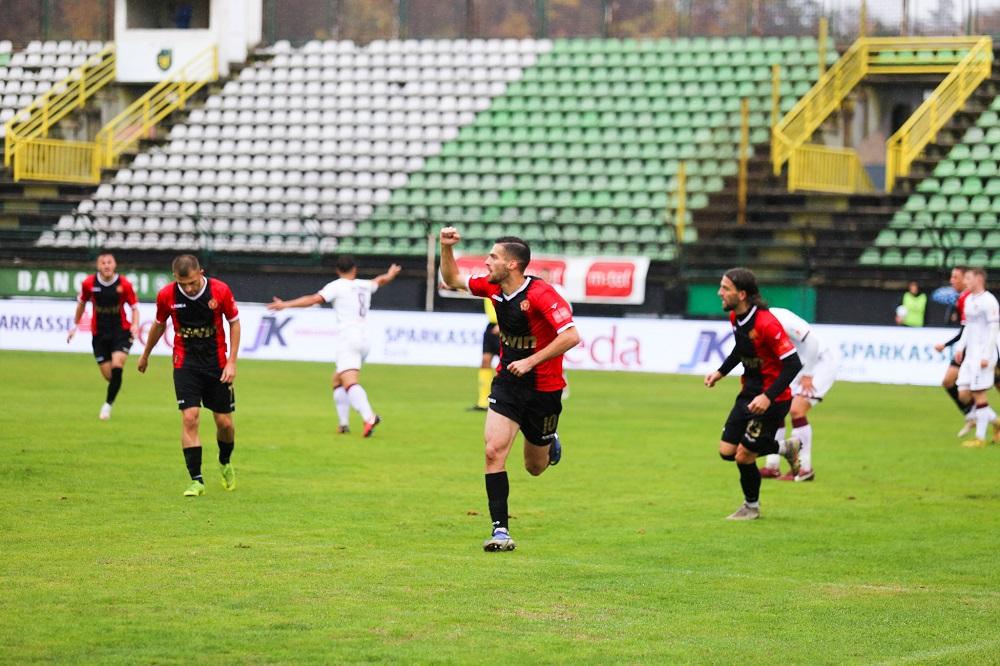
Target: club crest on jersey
[(212, 304), (525, 305), (119, 289), (753, 334)]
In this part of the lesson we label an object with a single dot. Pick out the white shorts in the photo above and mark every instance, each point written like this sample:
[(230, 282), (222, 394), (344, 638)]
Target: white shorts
[(824, 374), (351, 351), (973, 377)]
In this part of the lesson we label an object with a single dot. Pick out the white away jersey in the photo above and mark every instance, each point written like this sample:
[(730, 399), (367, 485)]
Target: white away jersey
[(806, 341), (351, 300), (982, 317)]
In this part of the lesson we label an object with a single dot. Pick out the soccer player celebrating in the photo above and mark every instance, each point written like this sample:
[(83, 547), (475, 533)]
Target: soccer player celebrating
[(351, 298), (536, 329), (108, 293), (976, 350), (770, 363), (819, 370), (203, 373)]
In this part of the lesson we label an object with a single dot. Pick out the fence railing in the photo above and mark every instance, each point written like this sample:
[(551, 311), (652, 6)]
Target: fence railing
[(828, 169), (921, 128), (65, 96), (57, 160), (169, 95)]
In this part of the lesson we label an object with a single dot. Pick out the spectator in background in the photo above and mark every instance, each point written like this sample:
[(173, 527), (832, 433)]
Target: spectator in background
[(911, 312)]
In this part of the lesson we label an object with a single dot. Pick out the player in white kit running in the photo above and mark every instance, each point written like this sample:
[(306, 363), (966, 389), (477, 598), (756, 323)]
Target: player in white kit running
[(820, 363), (976, 350), (351, 299)]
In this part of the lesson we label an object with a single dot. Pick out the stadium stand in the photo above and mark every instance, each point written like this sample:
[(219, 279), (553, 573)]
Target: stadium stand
[(335, 147), (24, 75), (952, 217)]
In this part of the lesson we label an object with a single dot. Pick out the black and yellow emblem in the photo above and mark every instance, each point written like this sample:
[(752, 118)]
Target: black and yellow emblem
[(164, 59)]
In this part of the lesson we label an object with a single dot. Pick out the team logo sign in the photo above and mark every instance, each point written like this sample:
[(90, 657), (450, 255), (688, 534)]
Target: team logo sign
[(164, 59), (525, 305), (212, 304)]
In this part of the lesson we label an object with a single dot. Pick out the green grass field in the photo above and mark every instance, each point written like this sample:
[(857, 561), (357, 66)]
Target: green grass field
[(339, 549)]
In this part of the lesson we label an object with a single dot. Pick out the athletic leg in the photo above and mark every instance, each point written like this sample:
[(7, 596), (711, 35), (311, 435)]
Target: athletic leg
[(342, 404)]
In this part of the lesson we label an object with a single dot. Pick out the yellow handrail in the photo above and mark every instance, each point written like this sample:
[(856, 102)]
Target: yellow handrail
[(170, 94), (966, 60), (57, 160), (34, 120), (814, 167), (868, 55), (816, 105), (921, 128)]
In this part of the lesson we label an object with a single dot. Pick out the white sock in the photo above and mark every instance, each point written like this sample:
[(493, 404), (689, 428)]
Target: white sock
[(774, 460), (805, 435), (984, 414), (342, 404), (359, 401)]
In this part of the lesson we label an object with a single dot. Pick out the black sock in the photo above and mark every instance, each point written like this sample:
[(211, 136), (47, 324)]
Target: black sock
[(766, 447), (750, 481), (225, 451), (114, 384), (497, 489), (963, 407), (192, 458)]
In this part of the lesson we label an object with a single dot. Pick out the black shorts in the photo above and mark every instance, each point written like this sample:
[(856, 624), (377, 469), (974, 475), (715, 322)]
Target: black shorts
[(491, 341), (748, 429), (105, 345), (195, 387), (537, 412)]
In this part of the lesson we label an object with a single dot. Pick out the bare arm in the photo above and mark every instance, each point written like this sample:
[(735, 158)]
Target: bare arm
[(560, 345), (306, 301), (135, 320), (155, 333), (80, 307), (449, 268), (229, 372), (388, 276)]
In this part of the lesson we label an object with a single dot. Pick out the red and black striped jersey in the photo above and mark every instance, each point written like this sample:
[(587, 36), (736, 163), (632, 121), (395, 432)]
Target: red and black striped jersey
[(108, 300), (529, 320), (199, 335), (761, 344)]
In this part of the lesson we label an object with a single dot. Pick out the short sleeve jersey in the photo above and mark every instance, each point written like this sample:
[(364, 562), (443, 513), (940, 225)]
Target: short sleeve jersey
[(108, 300), (199, 335), (982, 315), (351, 300), (529, 320), (762, 344)]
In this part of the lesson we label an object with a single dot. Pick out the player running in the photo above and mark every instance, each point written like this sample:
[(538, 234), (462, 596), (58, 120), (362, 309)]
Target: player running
[(770, 363), (203, 374), (957, 316), (352, 299), (976, 350), (536, 329), (108, 293), (820, 363)]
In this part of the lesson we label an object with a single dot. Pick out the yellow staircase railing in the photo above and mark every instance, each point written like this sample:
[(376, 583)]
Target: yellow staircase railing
[(876, 56), (134, 123), (39, 158), (63, 97), (828, 169), (922, 127)]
